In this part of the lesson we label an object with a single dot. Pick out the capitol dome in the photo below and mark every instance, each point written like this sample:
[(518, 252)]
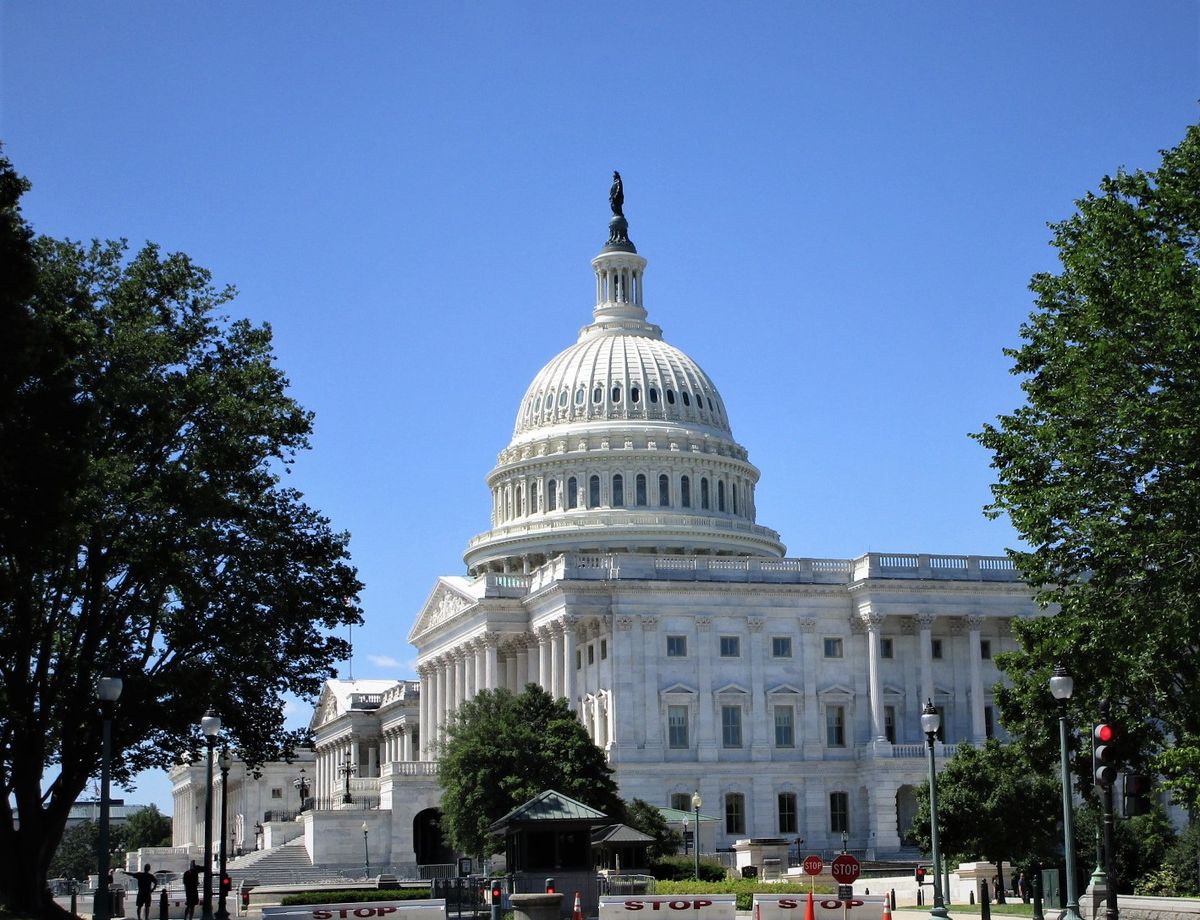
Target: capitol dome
[(621, 444)]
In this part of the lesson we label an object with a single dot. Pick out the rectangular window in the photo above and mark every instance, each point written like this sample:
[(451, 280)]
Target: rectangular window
[(781, 646), (591, 654), (889, 723), (985, 649), (603, 649), (731, 647), (833, 648), (835, 726), (989, 725), (887, 648), (787, 813), (785, 727), (277, 793), (839, 812), (735, 813), (676, 646), (578, 658), (681, 801), (731, 726), (936, 647), (677, 727)]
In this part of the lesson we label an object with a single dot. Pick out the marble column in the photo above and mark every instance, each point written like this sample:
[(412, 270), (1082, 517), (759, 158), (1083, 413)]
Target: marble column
[(925, 623), (520, 662), (874, 621), (569, 624), (491, 643), (651, 650), (423, 674), (975, 676), (545, 676)]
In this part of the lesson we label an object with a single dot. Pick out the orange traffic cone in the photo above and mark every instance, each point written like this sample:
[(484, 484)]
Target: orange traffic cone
[(809, 913), (577, 913), (887, 907)]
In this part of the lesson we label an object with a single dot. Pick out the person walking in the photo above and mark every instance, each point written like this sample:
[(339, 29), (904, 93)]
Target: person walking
[(191, 890), (146, 883)]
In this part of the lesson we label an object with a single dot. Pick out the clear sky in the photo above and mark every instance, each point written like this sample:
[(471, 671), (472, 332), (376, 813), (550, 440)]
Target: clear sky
[(841, 205)]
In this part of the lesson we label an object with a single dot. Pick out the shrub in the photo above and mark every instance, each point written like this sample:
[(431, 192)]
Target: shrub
[(681, 868), (743, 888), (355, 896)]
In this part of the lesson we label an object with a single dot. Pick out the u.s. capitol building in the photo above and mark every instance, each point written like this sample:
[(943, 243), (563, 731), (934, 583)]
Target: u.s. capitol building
[(625, 569)]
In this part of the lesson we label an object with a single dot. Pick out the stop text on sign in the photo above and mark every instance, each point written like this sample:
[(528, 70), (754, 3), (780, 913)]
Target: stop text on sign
[(845, 868), (694, 907)]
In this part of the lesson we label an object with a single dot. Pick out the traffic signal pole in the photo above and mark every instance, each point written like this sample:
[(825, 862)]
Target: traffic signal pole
[(1110, 897)]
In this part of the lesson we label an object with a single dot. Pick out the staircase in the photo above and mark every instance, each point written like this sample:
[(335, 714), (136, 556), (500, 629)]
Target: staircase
[(281, 865)]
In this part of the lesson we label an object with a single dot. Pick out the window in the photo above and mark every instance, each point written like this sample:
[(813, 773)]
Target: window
[(671, 397), (989, 722), (676, 646), (635, 395), (664, 491), (685, 492), (578, 659), (687, 400), (591, 653), (551, 495), (785, 727), (889, 723), (720, 495), (887, 648), (835, 726), (733, 492), (616, 394), (833, 647), (597, 394), (618, 491), (681, 801), (731, 726), (277, 793), (603, 649), (781, 646), (731, 647), (735, 813), (572, 493), (936, 646), (839, 812), (562, 399), (677, 729), (640, 489), (985, 649), (580, 396), (653, 395), (787, 813), (594, 492), (533, 497), (704, 492)]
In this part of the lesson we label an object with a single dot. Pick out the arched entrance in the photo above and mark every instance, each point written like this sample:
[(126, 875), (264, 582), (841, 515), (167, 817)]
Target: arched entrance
[(428, 845), (906, 811)]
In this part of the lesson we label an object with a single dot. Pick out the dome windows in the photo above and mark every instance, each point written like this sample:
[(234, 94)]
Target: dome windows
[(671, 397), (598, 395), (580, 396), (687, 400), (640, 490), (685, 492), (664, 491), (635, 395), (594, 491), (572, 493), (552, 495), (653, 393), (616, 395), (562, 399), (704, 493), (618, 491)]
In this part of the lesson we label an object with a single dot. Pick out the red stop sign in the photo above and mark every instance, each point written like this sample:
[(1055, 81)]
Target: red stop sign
[(845, 869), (813, 865)]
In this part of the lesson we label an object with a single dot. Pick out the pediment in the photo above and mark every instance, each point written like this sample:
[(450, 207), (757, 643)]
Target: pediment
[(836, 690), (325, 709), (445, 603), (785, 688), (732, 688), (679, 688)]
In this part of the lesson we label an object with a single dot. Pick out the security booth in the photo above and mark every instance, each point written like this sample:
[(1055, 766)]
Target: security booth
[(550, 837), (620, 848)]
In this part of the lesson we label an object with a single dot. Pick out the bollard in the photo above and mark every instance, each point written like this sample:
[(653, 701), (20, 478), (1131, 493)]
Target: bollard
[(893, 899), (1037, 893), (164, 907), (74, 898), (985, 901)]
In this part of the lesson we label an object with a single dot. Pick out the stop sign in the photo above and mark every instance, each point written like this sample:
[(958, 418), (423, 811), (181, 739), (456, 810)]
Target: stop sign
[(845, 869), (813, 865)]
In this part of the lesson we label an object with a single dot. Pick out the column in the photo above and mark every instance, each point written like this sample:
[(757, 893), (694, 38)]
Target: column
[(556, 661), (873, 622), (532, 658), (650, 652), (925, 623), (460, 677), (423, 701), (545, 678), (520, 662), (490, 643), (568, 648), (975, 674), (813, 737), (761, 722), (443, 697), (706, 741)]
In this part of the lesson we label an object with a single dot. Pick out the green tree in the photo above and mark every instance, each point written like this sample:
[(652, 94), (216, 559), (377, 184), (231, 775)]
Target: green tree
[(144, 531), (1099, 470), (502, 749), (992, 803), (147, 827), (1139, 844), (642, 816)]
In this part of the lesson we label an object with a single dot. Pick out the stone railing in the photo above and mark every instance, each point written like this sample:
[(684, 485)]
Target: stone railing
[(928, 566), (414, 767)]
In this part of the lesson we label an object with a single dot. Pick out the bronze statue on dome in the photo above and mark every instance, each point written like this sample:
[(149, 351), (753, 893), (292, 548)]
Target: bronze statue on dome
[(616, 195)]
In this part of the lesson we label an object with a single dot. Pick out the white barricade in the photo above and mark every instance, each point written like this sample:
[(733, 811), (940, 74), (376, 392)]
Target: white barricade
[(825, 907), (428, 909), (673, 906)]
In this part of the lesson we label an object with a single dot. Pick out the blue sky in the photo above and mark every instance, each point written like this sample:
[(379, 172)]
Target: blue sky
[(841, 205)]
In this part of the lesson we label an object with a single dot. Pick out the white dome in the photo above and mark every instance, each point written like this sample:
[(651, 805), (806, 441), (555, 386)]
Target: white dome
[(621, 444)]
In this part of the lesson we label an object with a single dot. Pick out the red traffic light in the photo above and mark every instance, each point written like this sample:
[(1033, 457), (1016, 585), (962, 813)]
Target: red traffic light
[(1104, 755), (1104, 733), (920, 875)]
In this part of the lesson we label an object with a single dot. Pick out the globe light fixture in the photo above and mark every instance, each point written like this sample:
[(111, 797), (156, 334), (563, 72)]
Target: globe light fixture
[(366, 853), (1062, 685), (931, 721), (696, 803)]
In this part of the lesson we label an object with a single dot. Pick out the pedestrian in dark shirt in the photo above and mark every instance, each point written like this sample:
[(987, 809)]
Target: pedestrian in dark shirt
[(146, 883), (191, 891)]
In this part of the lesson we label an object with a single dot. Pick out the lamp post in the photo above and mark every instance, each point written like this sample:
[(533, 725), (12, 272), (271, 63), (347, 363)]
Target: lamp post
[(109, 691), (1062, 685), (845, 838), (930, 722), (347, 769), (210, 725), (684, 829), (301, 784), (366, 853), (225, 762), (696, 803)]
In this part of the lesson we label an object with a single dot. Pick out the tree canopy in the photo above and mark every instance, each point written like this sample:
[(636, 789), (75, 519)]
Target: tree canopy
[(1099, 470), (144, 529), (502, 749)]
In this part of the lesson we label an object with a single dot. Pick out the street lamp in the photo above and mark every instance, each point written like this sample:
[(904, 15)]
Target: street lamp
[(845, 838), (930, 722), (301, 784), (1061, 687), (347, 769), (210, 725), (683, 826), (366, 853), (109, 691), (696, 803), (226, 762)]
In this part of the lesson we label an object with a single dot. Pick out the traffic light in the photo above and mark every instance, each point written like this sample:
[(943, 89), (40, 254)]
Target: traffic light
[(1104, 754), (497, 891), (919, 874), (226, 885), (549, 886), (1137, 794)]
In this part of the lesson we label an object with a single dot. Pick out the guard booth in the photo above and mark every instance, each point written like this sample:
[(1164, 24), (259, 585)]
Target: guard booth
[(550, 837)]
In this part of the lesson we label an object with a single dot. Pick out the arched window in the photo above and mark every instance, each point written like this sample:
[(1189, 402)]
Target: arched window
[(664, 491), (618, 491), (720, 495), (704, 492), (537, 403), (616, 394), (552, 495), (687, 400), (572, 493), (594, 492), (533, 497), (580, 396), (640, 489), (685, 492), (653, 395), (733, 494), (635, 395), (562, 399), (671, 397), (520, 507), (597, 394)]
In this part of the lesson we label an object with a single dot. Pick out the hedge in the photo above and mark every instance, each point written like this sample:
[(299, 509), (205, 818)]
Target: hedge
[(356, 895)]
